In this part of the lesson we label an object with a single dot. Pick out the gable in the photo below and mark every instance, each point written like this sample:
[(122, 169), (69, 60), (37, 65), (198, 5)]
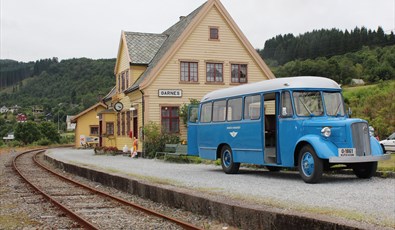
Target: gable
[(213, 12), (123, 60)]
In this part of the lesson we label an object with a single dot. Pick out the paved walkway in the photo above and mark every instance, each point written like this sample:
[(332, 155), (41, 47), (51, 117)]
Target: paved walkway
[(339, 195)]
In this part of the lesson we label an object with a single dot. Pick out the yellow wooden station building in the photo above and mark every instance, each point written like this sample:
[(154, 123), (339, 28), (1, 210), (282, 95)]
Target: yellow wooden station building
[(157, 73)]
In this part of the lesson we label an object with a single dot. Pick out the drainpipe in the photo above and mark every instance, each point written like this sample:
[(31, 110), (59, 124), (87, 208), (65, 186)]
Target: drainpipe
[(142, 113)]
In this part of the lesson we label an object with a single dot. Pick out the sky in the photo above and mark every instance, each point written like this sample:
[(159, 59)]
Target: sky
[(36, 29)]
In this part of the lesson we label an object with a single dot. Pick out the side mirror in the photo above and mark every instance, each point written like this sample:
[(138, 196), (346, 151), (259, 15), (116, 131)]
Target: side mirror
[(349, 111)]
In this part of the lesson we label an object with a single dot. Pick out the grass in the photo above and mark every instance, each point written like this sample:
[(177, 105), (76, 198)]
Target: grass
[(388, 165)]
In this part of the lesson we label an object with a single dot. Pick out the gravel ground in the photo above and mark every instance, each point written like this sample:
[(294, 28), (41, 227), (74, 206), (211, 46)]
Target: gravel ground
[(344, 196), (21, 208)]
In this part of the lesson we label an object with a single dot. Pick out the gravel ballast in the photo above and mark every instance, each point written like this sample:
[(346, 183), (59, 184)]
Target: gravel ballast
[(339, 196)]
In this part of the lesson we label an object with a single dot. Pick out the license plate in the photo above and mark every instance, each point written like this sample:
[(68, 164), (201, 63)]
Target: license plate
[(346, 152)]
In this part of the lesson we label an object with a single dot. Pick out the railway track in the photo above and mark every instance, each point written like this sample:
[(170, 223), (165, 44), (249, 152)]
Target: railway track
[(89, 207)]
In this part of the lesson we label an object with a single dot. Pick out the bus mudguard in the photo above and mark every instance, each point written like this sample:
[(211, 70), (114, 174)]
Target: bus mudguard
[(324, 148), (375, 147)]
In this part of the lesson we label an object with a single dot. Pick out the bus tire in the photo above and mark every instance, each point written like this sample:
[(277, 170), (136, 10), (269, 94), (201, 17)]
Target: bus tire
[(365, 170), (310, 166), (227, 163), (273, 168)]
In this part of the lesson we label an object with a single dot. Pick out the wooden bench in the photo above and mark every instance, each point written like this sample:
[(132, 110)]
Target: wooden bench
[(173, 149)]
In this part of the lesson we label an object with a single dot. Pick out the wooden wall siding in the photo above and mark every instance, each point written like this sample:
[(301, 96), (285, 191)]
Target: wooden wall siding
[(229, 49), (136, 71), (123, 62), (84, 122)]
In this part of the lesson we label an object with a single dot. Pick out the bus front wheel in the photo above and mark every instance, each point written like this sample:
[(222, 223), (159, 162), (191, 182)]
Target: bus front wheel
[(227, 163), (310, 166)]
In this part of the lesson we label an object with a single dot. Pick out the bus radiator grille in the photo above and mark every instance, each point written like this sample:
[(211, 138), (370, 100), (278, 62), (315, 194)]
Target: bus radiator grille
[(361, 140)]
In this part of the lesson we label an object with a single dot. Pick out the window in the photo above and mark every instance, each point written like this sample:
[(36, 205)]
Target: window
[(235, 109), (214, 33), (189, 71), (123, 81), (334, 104), (252, 107), (214, 72), (206, 112), (119, 82), (110, 128), (239, 73), (118, 124), (94, 130), (286, 105), (219, 110), (308, 103), (123, 123), (170, 119), (127, 79), (127, 122)]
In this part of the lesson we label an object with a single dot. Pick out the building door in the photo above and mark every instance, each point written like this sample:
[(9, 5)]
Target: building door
[(100, 130), (135, 124)]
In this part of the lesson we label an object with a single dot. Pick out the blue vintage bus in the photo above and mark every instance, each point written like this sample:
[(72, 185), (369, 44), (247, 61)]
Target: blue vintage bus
[(282, 123)]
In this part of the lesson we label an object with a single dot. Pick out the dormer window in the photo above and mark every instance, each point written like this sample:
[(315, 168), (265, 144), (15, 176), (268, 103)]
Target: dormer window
[(214, 33)]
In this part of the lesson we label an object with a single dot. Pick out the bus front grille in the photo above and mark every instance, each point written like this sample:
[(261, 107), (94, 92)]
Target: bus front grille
[(360, 138)]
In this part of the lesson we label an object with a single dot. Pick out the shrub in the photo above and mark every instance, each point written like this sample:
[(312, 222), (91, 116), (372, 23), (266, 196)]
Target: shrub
[(44, 142), (155, 139), (69, 139), (14, 143), (106, 150)]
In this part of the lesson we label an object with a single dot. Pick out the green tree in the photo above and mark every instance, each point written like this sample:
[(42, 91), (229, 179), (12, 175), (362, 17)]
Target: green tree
[(184, 109), (49, 131), (27, 132)]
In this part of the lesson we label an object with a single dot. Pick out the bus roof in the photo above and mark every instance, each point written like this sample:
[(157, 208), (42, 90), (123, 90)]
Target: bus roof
[(305, 82)]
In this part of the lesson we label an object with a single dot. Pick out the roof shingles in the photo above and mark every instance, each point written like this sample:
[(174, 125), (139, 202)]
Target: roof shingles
[(172, 34), (143, 47)]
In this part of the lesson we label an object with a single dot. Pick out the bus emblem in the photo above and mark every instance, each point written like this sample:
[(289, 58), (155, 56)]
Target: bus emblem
[(233, 134)]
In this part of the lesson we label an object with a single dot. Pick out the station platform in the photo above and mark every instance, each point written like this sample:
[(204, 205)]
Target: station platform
[(254, 198)]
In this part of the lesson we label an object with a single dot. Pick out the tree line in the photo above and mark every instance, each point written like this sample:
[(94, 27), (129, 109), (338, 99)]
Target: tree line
[(62, 88), (370, 64), (12, 73), (322, 43)]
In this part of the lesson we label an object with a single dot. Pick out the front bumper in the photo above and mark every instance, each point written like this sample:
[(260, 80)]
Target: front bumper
[(359, 159)]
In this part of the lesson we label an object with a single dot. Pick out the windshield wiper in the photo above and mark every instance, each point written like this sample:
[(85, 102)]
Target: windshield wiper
[(337, 110), (305, 106)]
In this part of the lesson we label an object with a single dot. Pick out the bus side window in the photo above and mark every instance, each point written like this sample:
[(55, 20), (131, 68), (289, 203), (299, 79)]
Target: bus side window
[(205, 113), (252, 107), (286, 105), (234, 109), (219, 110)]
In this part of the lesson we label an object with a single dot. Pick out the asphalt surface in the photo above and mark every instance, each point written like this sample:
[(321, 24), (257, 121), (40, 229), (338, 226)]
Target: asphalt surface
[(371, 200)]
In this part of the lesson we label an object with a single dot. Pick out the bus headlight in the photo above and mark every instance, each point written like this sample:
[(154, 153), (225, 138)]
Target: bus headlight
[(326, 132)]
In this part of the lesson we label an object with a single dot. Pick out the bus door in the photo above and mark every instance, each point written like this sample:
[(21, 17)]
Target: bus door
[(287, 128), (270, 116), (193, 149)]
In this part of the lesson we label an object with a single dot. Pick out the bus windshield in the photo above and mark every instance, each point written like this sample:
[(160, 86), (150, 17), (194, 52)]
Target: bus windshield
[(334, 104), (308, 103)]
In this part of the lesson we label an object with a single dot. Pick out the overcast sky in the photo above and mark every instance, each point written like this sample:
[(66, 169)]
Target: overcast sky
[(37, 29)]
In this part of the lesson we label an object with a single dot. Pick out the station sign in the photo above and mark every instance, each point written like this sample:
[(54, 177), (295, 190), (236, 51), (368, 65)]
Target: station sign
[(170, 93)]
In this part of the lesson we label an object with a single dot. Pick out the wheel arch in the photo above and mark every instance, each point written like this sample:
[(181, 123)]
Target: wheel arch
[(298, 147), (324, 148), (219, 148)]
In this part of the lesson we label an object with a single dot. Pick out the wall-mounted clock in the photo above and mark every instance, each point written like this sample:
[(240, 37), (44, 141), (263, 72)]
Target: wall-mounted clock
[(118, 106)]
